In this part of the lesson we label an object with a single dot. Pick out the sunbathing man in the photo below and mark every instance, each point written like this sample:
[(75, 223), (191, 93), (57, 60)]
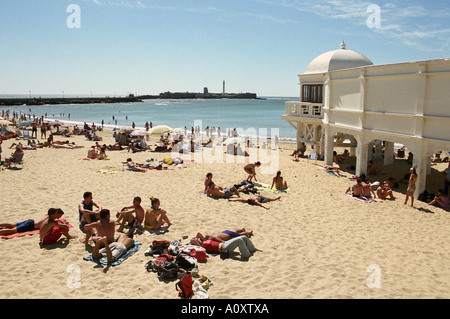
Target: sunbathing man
[(214, 191), (257, 200), (357, 189), (126, 215), (384, 191), (20, 227), (225, 248), (112, 251), (52, 228), (220, 237), (155, 217), (368, 189), (105, 227), (250, 169)]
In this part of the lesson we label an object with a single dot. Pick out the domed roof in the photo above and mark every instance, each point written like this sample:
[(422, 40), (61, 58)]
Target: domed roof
[(337, 60)]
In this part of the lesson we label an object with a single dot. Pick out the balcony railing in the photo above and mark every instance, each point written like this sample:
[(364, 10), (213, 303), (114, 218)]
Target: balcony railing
[(304, 109)]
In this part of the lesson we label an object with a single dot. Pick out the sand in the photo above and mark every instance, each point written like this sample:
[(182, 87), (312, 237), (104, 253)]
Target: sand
[(316, 241)]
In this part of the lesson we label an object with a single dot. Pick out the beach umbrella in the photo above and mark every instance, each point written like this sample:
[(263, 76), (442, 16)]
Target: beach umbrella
[(178, 130), (161, 129), (25, 123), (234, 140), (138, 133), (5, 122)]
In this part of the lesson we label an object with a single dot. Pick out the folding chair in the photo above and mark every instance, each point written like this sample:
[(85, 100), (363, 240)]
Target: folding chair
[(17, 161)]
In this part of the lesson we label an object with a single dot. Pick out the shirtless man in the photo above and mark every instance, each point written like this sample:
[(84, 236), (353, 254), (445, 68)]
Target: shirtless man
[(20, 227), (221, 237), (105, 227), (368, 189), (52, 228), (126, 215), (257, 200), (250, 169), (384, 191), (112, 251), (357, 189), (214, 191), (155, 217)]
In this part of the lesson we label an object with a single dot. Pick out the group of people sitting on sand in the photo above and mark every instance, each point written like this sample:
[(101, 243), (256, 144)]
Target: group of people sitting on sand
[(215, 191)]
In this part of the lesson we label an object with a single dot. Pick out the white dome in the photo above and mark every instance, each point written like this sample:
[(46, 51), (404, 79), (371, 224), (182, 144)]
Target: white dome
[(337, 60)]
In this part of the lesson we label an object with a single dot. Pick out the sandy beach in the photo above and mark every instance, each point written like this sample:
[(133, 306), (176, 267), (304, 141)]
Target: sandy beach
[(316, 241)]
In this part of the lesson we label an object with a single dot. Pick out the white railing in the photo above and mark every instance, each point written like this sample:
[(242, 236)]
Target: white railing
[(304, 109)]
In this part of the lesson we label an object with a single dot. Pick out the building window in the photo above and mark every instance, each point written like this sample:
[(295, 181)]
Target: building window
[(312, 93)]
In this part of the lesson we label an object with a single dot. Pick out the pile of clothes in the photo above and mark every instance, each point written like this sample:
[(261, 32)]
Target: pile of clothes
[(172, 260)]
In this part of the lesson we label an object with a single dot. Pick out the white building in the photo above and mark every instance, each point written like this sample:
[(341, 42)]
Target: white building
[(344, 97)]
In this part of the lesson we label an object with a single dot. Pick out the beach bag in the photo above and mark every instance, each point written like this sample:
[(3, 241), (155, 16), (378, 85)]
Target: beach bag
[(200, 255), (186, 261), (184, 286), (167, 271)]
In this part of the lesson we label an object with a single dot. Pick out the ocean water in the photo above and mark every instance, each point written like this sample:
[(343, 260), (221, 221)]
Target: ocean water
[(260, 116)]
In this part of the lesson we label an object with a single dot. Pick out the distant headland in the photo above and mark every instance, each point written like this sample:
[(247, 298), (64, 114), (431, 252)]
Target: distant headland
[(130, 99)]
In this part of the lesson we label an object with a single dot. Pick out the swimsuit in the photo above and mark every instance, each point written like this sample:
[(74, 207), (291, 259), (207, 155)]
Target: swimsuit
[(263, 199), (154, 214), (117, 250), (24, 226), (228, 192), (53, 236), (230, 233)]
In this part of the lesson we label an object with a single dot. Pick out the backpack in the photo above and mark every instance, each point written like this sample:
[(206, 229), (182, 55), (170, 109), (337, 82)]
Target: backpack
[(184, 286)]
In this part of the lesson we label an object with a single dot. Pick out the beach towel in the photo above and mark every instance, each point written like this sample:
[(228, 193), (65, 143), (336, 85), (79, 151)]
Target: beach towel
[(31, 232), (104, 260), (274, 190), (366, 200)]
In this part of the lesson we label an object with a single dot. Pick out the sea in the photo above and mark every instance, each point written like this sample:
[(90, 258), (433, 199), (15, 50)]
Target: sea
[(261, 117)]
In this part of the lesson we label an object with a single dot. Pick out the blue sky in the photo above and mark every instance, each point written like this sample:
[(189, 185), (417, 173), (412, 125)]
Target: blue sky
[(153, 46)]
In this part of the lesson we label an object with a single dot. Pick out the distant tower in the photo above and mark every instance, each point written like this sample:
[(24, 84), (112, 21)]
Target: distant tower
[(223, 92)]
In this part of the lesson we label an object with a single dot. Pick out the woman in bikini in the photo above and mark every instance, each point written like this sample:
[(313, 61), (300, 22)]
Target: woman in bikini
[(155, 216), (279, 182), (411, 186)]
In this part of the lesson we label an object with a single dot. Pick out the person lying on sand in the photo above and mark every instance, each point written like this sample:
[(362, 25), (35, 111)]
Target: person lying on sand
[(112, 251), (225, 248), (214, 191), (257, 200), (220, 237), (20, 227)]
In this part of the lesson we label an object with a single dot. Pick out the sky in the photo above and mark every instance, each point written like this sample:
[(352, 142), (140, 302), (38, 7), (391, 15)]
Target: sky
[(118, 47)]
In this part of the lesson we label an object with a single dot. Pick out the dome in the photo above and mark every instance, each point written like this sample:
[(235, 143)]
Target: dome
[(337, 60)]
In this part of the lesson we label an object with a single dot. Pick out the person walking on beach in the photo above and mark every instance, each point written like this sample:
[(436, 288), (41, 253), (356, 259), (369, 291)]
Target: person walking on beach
[(411, 186), (250, 169)]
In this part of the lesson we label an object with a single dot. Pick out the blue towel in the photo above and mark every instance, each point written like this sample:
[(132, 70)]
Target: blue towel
[(104, 260)]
